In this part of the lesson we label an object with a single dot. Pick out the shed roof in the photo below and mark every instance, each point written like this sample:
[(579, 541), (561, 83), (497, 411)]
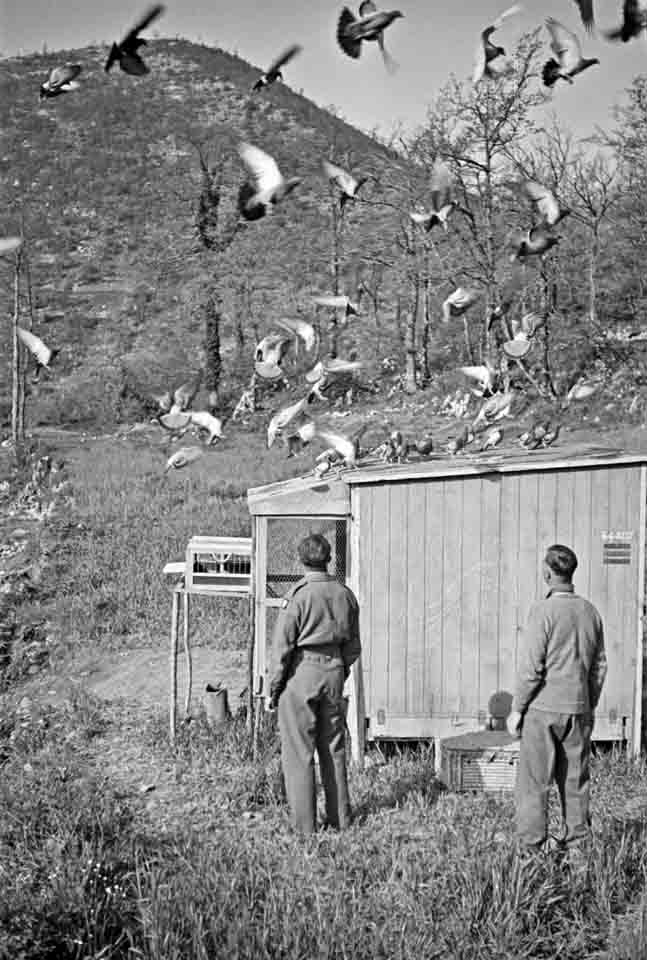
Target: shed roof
[(330, 495)]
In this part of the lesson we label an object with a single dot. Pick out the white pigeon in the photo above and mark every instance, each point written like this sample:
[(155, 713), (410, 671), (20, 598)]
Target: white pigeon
[(301, 328), (458, 302), (546, 202), (206, 421), (284, 416), (523, 331), (61, 80), (347, 183), (9, 245), (40, 351), (487, 51), (182, 457), (566, 47), (339, 302), (268, 371), (581, 390), (484, 375), (493, 437), (268, 185)]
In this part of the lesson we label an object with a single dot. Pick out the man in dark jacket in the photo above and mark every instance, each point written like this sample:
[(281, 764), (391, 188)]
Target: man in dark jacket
[(315, 642), (559, 680)]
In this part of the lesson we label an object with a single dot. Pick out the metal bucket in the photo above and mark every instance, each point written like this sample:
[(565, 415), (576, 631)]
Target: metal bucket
[(216, 705)]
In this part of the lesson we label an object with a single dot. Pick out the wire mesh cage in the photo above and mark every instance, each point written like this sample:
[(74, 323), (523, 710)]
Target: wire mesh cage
[(486, 760), (218, 564), (283, 537)]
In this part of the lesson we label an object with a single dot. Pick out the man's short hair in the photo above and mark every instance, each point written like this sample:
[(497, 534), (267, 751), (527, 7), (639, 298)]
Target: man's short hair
[(561, 561), (314, 551)]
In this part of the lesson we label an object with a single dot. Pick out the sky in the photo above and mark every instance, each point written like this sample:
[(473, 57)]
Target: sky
[(432, 40)]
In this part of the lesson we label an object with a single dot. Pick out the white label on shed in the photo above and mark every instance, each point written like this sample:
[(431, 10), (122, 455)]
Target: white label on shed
[(616, 546)]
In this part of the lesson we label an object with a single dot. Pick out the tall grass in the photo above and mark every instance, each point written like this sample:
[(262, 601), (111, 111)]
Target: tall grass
[(87, 872)]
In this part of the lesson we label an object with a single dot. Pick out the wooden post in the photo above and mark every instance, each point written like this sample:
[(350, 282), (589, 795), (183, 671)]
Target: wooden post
[(175, 617), (252, 632), (636, 733), (15, 381), (356, 718), (186, 606)]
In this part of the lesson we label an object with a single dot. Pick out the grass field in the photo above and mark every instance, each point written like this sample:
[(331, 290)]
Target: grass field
[(113, 845)]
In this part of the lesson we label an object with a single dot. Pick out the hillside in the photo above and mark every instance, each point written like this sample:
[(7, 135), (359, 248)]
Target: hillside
[(108, 181)]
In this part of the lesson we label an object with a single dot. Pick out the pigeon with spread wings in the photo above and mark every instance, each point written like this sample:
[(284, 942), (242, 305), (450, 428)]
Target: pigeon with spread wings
[(61, 80), (441, 203), (487, 51), (533, 243), (348, 184), (273, 72), (38, 349), (268, 186), (371, 25), (634, 21), (566, 47), (546, 202), (127, 53), (301, 328)]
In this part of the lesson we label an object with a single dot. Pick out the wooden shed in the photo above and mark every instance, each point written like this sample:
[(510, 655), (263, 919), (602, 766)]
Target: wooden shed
[(445, 556)]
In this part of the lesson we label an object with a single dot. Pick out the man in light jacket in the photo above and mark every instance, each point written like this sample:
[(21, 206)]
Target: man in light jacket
[(559, 681)]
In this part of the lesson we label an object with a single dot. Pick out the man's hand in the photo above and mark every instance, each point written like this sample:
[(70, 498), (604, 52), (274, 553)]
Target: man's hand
[(513, 723)]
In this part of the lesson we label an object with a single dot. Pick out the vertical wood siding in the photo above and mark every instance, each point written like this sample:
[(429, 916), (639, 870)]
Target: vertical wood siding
[(448, 569)]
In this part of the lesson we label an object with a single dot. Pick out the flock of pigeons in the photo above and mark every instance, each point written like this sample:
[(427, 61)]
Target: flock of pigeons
[(266, 186)]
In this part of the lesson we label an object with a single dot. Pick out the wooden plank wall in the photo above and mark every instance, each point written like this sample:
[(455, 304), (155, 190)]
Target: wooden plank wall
[(448, 569)]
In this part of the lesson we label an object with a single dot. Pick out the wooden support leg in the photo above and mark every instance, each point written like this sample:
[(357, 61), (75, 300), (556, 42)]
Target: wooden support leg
[(187, 653), (356, 717), (175, 617)]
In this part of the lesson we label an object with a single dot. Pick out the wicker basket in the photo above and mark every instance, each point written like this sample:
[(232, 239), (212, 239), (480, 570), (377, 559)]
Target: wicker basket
[(485, 761)]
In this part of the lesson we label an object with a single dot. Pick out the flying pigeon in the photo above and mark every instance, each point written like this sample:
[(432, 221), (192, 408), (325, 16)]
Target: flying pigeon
[(347, 183), (566, 47), (9, 245), (523, 331), (586, 12), (185, 394), (484, 375), (581, 390), (302, 329), (284, 416), (301, 437), (61, 80), (206, 421), (182, 457), (534, 242), (546, 203), (42, 353), (273, 72), (458, 302), (272, 349), (126, 52), (340, 302), (441, 203), (268, 371), (634, 21), (487, 51), (268, 186), (370, 26)]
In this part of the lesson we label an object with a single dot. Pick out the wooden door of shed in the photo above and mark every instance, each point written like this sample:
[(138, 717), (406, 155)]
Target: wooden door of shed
[(448, 567)]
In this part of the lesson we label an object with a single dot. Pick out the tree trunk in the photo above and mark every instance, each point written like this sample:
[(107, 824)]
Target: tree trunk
[(17, 431), (426, 337), (593, 259), (213, 359), (410, 337)]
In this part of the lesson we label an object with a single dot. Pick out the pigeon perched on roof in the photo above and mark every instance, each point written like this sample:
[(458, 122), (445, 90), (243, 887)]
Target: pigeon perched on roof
[(566, 47), (487, 51), (347, 448), (371, 25), (348, 184), (497, 407), (492, 438), (458, 443), (273, 72), (61, 80), (127, 53), (267, 185)]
